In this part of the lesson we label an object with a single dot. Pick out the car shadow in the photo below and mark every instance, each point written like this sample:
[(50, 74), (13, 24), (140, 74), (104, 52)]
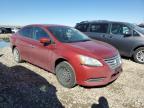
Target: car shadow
[(22, 88), (1, 55), (128, 58), (103, 103)]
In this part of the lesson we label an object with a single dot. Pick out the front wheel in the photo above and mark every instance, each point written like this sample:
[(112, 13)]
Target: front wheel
[(139, 55), (65, 74)]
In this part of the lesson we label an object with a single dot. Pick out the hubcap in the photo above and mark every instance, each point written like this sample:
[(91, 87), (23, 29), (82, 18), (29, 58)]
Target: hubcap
[(140, 56), (16, 55), (64, 75)]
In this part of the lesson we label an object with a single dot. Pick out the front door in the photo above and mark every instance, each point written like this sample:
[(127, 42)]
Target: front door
[(41, 55), (118, 39)]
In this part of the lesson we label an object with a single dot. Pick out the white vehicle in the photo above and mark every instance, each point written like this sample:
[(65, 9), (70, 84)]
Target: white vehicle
[(14, 30)]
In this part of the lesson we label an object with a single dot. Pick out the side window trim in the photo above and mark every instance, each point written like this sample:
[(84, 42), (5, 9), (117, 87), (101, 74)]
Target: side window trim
[(111, 25), (88, 29), (109, 28)]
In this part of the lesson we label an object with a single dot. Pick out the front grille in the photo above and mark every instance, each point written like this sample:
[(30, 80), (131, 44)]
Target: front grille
[(113, 62)]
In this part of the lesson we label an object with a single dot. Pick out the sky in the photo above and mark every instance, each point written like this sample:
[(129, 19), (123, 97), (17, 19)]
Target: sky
[(69, 12)]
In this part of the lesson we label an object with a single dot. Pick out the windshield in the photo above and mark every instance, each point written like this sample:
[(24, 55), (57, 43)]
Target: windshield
[(68, 34), (139, 29)]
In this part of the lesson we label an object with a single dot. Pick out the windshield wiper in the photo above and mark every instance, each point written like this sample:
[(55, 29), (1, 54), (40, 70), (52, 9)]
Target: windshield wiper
[(78, 41), (85, 40)]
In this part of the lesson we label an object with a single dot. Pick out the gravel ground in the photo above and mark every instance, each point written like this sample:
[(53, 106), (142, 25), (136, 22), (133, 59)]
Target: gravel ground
[(27, 86), (5, 36)]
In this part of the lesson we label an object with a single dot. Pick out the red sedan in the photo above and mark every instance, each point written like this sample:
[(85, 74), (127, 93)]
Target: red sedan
[(68, 53)]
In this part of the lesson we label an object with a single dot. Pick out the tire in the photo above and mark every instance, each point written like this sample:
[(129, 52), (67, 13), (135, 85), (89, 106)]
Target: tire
[(139, 55), (16, 55), (65, 74)]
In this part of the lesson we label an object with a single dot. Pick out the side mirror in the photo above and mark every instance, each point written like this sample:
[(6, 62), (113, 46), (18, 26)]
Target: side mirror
[(45, 41), (127, 34)]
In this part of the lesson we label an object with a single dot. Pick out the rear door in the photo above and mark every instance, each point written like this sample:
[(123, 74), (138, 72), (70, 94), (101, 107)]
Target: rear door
[(98, 31), (23, 42)]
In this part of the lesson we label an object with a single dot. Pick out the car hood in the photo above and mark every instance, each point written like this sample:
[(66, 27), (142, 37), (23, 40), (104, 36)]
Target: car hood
[(97, 48)]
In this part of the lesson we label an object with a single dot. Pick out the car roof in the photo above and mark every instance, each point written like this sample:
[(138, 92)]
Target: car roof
[(101, 21), (46, 25)]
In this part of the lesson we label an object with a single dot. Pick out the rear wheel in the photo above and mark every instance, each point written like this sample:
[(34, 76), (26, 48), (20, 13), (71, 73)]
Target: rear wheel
[(139, 55), (65, 74), (16, 55)]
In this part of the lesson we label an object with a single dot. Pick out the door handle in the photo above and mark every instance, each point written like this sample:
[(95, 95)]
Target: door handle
[(103, 36), (32, 46), (111, 36)]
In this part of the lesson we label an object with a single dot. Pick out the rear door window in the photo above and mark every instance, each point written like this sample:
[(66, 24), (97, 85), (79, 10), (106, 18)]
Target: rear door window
[(99, 28), (27, 32), (39, 33), (82, 27)]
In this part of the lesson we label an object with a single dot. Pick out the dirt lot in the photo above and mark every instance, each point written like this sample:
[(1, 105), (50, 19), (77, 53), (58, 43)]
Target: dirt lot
[(27, 86), (3, 36)]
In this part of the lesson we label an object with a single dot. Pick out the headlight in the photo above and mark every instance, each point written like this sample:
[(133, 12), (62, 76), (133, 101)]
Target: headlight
[(89, 61), (120, 60)]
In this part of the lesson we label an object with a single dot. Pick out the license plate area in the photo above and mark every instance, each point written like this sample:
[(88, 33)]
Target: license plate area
[(117, 70)]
